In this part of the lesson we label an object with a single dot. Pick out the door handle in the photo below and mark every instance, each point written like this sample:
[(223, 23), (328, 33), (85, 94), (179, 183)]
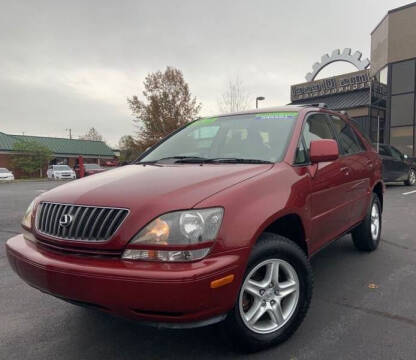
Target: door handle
[(370, 164)]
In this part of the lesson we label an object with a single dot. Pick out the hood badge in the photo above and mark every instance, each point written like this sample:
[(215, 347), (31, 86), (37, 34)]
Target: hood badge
[(65, 220)]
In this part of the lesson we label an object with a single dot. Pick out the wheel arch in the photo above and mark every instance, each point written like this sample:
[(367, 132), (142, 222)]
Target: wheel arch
[(291, 227), (378, 190)]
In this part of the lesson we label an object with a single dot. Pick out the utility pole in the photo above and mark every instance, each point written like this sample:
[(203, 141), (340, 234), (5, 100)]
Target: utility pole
[(70, 133)]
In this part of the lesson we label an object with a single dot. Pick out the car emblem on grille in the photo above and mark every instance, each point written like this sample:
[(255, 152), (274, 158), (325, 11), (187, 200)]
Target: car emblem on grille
[(65, 220)]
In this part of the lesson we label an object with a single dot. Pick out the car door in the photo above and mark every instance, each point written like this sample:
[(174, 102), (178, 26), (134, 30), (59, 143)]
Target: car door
[(358, 166), (388, 163), (327, 198), (401, 168)]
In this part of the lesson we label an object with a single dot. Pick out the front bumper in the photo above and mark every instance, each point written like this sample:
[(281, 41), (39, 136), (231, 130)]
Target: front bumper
[(155, 292), (65, 177)]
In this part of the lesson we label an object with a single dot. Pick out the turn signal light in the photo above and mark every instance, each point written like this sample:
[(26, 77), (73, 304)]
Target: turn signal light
[(221, 282)]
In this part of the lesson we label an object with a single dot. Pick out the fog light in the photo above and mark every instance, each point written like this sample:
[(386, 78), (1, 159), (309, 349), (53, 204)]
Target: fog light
[(165, 255)]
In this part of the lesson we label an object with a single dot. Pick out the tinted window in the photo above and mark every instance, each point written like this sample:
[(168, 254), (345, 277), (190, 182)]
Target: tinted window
[(403, 77), (396, 154), (348, 141), (316, 128), (384, 150), (261, 136), (402, 109), (4, 170)]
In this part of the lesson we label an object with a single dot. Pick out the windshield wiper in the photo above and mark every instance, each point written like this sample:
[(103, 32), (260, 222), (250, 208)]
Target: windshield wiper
[(202, 160), (223, 160), (177, 158)]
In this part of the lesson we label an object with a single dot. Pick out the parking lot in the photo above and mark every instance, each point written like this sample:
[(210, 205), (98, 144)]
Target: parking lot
[(363, 305)]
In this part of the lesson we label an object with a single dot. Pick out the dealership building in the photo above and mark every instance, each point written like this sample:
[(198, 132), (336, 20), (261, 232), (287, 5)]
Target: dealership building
[(64, 151), (380, 98)]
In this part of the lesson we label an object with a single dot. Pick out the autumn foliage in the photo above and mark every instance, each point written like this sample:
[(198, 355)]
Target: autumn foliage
[(167, 106)]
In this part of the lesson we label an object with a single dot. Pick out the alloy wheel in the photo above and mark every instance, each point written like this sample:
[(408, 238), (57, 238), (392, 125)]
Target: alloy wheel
[(375, 221), (269, 296), (412, 177)]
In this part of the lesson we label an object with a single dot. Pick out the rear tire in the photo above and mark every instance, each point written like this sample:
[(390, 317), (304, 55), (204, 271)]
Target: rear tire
[(411, 179), (366, 237), (276, 290)]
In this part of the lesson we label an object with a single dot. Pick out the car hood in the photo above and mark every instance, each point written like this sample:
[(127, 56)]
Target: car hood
[(153, 188), (148, 191), (4, 175)]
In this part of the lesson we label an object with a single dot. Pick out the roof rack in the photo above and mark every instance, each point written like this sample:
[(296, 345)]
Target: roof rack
[(321, 105)]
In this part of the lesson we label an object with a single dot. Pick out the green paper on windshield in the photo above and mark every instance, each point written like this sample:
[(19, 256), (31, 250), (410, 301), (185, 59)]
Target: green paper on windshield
[(204, 121), (277, 115)]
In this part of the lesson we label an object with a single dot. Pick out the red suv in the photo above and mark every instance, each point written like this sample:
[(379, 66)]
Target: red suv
[(216, 222)]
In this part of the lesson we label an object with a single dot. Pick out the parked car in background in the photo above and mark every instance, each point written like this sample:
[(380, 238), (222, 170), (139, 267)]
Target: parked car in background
[(112, 162), (397, 166), (89, 169), (215, 223), (6, 175), (60, 172)]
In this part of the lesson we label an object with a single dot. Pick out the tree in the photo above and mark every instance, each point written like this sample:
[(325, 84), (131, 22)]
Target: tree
[(129, 148), (169, 105), (30, 156), (92, 134), (235, 97)]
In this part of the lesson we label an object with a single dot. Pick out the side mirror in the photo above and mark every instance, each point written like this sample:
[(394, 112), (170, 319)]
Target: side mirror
[(323, 150)]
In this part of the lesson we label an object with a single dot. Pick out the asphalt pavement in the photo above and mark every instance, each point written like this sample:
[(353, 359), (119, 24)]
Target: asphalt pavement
[(364, 305)]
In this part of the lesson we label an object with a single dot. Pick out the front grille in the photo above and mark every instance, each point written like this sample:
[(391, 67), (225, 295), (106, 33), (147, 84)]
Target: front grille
[(84, 223)]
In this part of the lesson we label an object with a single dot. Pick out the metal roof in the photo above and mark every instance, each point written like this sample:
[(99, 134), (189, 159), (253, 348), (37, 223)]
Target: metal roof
[(340, 101), (59, 146)]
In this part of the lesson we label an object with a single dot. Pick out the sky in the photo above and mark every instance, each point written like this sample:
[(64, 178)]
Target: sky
[(72, 64)]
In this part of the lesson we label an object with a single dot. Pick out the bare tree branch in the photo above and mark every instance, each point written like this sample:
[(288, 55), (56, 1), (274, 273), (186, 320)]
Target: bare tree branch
[(235, 97)]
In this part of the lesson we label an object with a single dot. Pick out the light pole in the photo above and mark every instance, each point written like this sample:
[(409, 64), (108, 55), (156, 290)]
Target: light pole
[(259, 98)]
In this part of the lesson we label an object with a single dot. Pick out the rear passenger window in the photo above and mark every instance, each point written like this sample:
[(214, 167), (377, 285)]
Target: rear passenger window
[(348, 140), (316, 128)]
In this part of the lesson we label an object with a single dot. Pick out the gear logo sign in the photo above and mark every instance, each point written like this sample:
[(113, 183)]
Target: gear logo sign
[(336, 55)]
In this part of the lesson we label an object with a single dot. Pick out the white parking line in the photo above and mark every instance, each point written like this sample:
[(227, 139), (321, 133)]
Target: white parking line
[(409, 192)]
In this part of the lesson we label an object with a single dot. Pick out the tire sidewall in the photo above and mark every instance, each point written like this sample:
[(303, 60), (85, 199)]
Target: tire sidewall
[(276, 247)]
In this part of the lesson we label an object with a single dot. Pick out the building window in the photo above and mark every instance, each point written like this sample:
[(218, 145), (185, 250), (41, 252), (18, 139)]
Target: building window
[(402, 109), (403, 77), (402, 139), (382, 75)]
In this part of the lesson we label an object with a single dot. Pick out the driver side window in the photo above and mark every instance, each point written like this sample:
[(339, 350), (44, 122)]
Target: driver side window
[(316, 127), (396, 154)]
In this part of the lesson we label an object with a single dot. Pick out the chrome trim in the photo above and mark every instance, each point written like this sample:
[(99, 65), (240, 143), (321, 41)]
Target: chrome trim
[(40, 209)]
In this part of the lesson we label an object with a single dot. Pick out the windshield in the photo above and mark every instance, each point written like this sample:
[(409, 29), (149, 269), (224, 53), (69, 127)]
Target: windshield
[(4, 170), (61, 167), (262, 136), (91, 166)]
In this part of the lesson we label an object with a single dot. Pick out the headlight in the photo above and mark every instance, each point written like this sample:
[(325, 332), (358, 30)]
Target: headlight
[(179, 228), (27, 218)]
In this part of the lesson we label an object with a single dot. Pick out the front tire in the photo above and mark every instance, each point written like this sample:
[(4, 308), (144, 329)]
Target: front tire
[(366, 236), (411, 179), (274, 296)]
